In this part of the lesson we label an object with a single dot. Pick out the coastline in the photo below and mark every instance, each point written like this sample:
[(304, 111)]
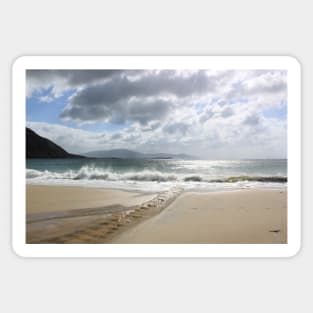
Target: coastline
[(63, 214)]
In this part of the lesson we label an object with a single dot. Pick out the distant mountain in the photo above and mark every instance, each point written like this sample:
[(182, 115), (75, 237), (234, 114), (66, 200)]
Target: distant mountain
[(170, 156), (129, 154), (40, 147), (116, 153)]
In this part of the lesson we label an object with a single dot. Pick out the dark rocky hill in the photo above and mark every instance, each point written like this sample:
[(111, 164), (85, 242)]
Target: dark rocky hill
[(40, 147)]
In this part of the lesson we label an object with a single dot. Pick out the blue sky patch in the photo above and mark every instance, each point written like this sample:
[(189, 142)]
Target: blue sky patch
[(279, 113), (49, 112)]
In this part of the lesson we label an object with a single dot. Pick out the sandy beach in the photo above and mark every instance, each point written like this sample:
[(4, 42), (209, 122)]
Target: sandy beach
[(57, 214), (43, 199), (254, 216)]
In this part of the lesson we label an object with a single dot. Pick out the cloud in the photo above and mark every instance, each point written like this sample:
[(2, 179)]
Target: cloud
[(227, 112), (177, 128), (209, 113), (145, 99), (71, 139), (254, 84), (46, 99), (116, 136), (268, 83), (62, 80), (253, 119), (151, 126)]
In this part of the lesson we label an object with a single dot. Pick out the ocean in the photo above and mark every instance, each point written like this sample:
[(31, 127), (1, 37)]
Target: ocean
[(159, 174)]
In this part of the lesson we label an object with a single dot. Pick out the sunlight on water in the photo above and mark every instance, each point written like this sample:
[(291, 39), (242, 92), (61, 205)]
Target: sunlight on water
[(158, 174)]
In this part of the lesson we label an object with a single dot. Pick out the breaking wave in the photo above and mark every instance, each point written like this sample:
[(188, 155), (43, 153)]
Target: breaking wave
[(263, 179), (93, 173)]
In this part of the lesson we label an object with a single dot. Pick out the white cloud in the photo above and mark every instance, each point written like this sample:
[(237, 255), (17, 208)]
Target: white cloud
[(215, 114), (46, 99)]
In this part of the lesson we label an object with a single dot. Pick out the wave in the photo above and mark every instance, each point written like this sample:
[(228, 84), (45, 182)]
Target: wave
[(94, 173), (263, 179), (195, 178)]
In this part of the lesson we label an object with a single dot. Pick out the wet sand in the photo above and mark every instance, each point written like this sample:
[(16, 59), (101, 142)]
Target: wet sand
[(41, 199), (254, 216), (62, 214), (58, 214)]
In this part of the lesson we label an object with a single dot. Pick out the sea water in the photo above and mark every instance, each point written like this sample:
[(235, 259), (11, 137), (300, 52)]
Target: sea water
[(159, 174)]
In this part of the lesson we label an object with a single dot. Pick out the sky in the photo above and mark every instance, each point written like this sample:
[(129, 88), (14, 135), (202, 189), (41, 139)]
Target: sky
[(211, 114)]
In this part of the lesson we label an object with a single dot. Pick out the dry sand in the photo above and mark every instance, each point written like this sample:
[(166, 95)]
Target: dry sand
[(254, 216)]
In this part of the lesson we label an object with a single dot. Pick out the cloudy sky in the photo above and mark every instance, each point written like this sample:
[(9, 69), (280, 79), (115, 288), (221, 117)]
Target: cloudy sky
[(210, 114)]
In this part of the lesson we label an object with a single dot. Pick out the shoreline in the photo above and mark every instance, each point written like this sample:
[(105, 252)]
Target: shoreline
[(196, 189), (116, 216)]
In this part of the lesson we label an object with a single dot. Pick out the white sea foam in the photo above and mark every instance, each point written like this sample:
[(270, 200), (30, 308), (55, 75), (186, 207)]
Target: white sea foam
[(146, 180), (92, 173)]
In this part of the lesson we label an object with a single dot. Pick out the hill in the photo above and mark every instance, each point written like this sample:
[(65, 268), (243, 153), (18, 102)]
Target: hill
[(129, 154), (40, 147)]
